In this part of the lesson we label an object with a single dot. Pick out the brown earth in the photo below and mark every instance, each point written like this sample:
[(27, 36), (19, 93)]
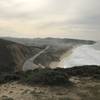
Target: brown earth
[(83, 89)]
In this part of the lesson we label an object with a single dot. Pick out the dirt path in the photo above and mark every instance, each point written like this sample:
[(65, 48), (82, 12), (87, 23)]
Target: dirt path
[(29, 64)]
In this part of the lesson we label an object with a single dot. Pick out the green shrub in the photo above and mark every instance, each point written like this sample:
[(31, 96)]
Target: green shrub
[(45, 76)]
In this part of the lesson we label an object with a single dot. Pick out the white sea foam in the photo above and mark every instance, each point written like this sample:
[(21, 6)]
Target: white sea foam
[(82, 55)]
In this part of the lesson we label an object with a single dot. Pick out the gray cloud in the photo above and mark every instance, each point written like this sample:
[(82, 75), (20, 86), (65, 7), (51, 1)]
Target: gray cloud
[(76, 16)]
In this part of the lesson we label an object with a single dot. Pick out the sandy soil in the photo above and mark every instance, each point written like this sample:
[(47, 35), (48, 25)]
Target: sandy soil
[(82, 89)]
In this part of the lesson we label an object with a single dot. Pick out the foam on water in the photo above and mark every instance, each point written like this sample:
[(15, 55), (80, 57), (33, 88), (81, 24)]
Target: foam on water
[(82, 55)]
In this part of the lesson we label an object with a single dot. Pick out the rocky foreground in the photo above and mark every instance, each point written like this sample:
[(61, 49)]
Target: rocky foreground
[(77, 83)]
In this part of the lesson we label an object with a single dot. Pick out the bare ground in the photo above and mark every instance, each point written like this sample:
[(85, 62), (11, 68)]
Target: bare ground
[(82, 89)]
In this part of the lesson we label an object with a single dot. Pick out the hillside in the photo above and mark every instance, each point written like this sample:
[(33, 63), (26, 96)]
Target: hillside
[(49, 41), (13, 55)]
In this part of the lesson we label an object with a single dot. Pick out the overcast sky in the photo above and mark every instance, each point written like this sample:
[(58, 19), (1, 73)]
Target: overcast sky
[(50, 18)]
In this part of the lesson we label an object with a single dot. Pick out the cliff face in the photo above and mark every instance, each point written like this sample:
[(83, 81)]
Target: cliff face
[(12, 56), (19, 53)]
